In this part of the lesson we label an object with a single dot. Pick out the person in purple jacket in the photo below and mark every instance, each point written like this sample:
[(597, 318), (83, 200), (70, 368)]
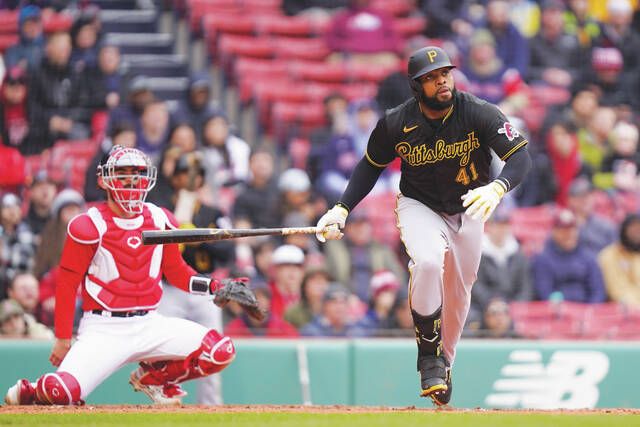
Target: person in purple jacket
[(567, 267)]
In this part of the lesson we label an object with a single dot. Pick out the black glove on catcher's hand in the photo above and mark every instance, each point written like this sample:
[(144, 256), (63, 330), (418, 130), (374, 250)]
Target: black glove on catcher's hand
[(226, 290)]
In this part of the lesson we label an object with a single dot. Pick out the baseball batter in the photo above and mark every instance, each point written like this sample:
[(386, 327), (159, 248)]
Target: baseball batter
[(444, 138), (121, 289)]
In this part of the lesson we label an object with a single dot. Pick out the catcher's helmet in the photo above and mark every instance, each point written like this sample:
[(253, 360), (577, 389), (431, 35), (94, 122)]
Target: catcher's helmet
[(423, 61)]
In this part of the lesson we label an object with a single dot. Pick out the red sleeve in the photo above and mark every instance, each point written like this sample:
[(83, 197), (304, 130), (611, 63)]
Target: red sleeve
[(175, 269), (74, 263)]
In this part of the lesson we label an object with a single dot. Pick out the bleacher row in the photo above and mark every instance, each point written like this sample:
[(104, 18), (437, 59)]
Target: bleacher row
[(570, 321)]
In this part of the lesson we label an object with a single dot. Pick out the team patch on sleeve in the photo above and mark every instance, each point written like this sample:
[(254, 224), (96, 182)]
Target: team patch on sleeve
[(509, 131)]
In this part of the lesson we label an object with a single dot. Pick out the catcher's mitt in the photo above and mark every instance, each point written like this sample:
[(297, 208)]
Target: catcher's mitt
[(237, 290)]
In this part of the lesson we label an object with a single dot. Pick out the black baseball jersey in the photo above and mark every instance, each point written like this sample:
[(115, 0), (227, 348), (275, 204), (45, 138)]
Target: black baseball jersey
[(442, 160)]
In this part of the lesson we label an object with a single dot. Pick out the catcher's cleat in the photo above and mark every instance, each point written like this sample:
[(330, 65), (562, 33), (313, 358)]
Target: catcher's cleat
[(22, 393), (433, 375), (441, 398), (167, 394)]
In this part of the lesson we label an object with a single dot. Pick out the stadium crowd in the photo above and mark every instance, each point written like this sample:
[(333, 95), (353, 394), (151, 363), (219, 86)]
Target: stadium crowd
[(564, 245)]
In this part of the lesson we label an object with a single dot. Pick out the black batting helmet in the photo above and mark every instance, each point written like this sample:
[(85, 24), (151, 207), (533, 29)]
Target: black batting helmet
[(423, 61)]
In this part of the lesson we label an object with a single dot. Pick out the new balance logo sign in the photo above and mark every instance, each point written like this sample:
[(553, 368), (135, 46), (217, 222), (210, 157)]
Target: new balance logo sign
[(568, 380)]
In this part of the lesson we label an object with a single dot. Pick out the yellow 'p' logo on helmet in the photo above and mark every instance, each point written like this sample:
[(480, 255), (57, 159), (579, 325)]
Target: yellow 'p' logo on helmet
[(431, 54)]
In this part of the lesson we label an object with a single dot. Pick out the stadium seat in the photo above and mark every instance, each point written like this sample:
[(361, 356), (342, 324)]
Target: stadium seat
[(169, 88), (314, 49), (290, 120), (232, 46), (291, 26), (249, 70), (361, 72), (409, 26), (8, 21), (56, 22), (319, 71), (395, 7)]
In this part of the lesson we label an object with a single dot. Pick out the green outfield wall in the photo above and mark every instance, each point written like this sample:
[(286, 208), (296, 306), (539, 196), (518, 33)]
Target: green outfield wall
[(488, 374)]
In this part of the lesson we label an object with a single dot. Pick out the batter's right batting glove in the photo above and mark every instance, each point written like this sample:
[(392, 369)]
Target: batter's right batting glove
[(482, 201), (331, 223)]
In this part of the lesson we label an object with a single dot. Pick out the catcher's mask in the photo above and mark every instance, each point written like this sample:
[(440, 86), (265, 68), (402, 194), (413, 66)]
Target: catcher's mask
[(423, 61), (128, 176)]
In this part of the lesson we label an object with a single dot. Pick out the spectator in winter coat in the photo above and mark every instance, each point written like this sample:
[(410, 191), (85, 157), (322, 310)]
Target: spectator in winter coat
[(14, 117), (197, 107), (620, 264), (28, 51), (566, 267), (504, 269)]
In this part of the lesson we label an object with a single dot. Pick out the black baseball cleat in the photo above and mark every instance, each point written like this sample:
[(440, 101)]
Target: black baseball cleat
[(441, 398), (433, 375)]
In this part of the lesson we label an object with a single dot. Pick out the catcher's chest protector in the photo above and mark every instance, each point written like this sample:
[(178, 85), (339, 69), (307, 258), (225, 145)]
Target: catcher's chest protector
[(124, 273)]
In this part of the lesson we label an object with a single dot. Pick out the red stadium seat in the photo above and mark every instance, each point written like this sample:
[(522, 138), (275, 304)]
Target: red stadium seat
[(409, 26), (291, 26), (395, 7), (55, 22), (8, 21), (250, 70), (290, 119), (314, 49), (319, 71), (359, 72)]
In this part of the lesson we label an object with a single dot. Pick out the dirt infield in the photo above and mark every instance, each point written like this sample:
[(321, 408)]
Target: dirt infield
[(337, 409)]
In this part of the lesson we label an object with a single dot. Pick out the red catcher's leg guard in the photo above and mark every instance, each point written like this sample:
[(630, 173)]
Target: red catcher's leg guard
[(59, 388), (213, 355)]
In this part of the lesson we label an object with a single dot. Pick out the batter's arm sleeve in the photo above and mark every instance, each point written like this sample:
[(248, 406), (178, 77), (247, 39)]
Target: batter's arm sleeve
[(515, 168), (366, 173), (74, 264)]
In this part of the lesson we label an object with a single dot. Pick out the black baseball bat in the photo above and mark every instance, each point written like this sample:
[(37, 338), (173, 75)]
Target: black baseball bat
[(192, 235)]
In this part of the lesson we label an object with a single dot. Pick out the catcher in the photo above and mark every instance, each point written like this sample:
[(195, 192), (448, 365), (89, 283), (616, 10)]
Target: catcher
[(121, 288)]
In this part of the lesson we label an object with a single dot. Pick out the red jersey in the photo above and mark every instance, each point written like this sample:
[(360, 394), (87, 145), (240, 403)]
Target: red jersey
[(118, 273)]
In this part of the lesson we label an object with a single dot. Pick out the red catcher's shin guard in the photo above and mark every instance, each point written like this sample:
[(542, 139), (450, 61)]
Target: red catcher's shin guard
[(214, 354), (59, 388)]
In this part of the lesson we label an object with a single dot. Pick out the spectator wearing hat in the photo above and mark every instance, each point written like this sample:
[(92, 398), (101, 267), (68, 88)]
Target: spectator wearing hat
[(14, 117), (383, 291), (257, 200), (42, 191), (556, 56), (605, 76), (197, 107), (294, 188), (288, 271), (15, 323), (566, 267), (226, 156), (315, 282), (272, 326), (595, 231), (618, 33), (123, 134), (353, 259), (58, 96), (333, 320), (620, 264), (504, 270), (363, 34), (17, 241), (28, 51), (138, 96), (66, 205)]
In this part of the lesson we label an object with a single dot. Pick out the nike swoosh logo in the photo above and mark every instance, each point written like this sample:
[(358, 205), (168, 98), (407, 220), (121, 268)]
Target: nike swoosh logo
[(407, 130), (431, 340)]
